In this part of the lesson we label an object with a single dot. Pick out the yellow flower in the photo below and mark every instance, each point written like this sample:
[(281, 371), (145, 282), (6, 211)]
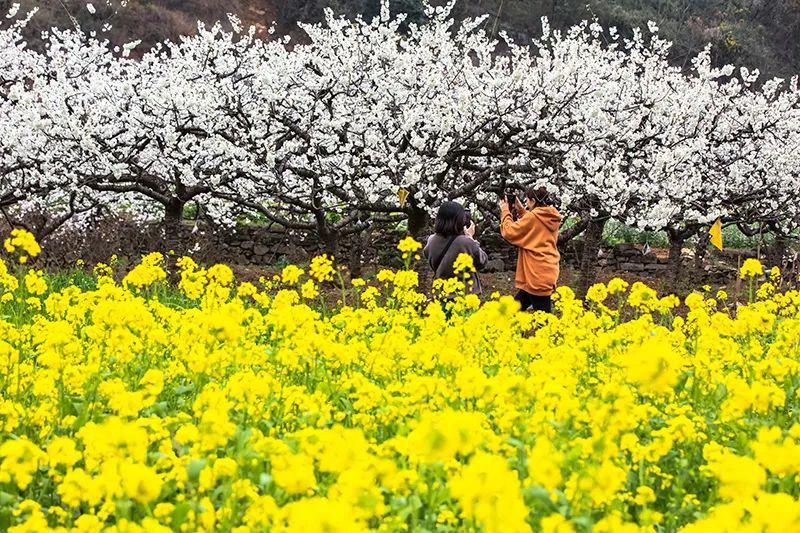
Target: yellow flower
[(489, 493), (163, 510), (695, 300), (369, 295), (408, 246), (544, 464), (148, 272), (643, 297), (617, 285), (779, 455), (140, 482), (319, 514), (463, 265), (597, 293), (212, 404), (385, 275), (448, 286), (751, 268), (246, 289), (739, 476), (654, 366), (152, 382), (220, 275), (556, 523), (21, 459), (62, 450), (294, 473), (322, 269), (309, 290), (35, 283), (23, 243), (291, 274), (79, 487), (644, 496), (440, 436), (102, 270)]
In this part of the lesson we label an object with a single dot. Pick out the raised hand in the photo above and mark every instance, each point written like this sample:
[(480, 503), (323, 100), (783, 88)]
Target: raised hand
[(469, 231)]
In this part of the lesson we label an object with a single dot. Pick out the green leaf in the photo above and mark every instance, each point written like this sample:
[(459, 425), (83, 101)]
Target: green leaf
[(193, 469), (583, 521), (183, 389), (264, 479), (6, 499), (179, 514)]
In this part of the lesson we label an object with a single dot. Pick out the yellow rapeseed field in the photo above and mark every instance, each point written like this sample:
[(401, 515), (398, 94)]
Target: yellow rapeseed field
[(221, 406)]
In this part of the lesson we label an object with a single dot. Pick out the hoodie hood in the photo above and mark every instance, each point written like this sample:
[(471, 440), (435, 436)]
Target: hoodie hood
[(549, 217)]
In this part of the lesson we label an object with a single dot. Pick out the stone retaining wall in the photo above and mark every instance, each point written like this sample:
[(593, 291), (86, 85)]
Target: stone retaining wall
[(258, 246), (631, 258)]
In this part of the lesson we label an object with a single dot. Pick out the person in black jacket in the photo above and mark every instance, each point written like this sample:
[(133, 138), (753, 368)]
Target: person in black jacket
[(455, 235)]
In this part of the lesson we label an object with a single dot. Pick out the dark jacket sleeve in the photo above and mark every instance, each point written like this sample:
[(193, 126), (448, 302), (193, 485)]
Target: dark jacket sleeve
[(426, 252), (479, 257)]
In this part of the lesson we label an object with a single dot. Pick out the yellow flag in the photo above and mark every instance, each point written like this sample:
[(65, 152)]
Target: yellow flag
[(716, 234), (402, 195)]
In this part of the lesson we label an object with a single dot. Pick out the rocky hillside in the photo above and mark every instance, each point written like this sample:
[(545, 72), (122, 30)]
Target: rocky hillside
[(756, 33)]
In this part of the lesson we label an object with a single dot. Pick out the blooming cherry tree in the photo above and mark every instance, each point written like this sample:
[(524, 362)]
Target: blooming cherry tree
[(321, 135)]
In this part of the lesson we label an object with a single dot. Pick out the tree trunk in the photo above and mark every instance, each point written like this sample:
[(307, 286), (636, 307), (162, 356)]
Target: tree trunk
[(777, 254), (173, 218), (329, 238), (328, 235), (417, 221), (330, 241), (701, 250), (676, 242), (356, 259), (592, 239)]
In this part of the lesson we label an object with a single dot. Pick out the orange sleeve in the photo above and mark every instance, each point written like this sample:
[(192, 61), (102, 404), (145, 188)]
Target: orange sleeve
[(514, 232)]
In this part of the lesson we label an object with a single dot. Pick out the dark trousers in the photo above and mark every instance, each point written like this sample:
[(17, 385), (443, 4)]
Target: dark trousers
[(531, 302)]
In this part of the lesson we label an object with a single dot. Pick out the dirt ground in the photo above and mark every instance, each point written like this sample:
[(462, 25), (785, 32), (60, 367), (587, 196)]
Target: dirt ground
[(503, 282)]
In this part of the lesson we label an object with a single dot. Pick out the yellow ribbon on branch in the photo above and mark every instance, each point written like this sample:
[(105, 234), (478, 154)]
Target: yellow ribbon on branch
[(716, 234), (402, 195)]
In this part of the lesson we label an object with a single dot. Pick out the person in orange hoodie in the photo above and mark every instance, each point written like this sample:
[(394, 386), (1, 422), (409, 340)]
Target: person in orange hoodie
[(535, 234)]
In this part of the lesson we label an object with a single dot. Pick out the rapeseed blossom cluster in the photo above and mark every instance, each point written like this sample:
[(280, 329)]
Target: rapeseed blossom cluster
[(751, 268), (23, 244), (409, 246), (212, 405)]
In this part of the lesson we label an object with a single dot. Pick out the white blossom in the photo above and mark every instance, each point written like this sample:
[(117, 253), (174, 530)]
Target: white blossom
[(321, 135), (12, 12)]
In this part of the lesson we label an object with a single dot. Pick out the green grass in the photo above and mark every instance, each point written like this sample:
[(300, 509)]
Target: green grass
[(77, 277), (59, 280), (618, 233)]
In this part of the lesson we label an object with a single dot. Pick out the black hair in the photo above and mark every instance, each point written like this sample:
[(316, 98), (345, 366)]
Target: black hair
[(539, 195), (451, 219)]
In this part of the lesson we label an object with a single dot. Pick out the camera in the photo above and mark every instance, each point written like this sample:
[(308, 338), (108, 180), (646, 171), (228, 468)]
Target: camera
[(467, 218)]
